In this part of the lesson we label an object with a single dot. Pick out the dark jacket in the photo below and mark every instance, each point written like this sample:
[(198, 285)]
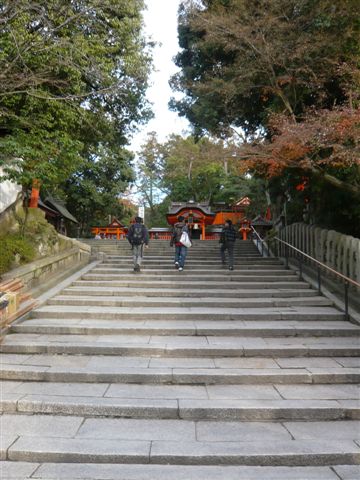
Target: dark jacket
[(228, 234), (144, 238), (178, 229)]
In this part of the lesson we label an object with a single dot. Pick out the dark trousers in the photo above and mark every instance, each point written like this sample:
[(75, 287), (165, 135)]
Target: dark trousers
[(180, 255), (229, 246)]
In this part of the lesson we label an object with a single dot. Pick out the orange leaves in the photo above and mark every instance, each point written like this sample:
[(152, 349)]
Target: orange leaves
[(275, 167), (289, 150), (325, 138)]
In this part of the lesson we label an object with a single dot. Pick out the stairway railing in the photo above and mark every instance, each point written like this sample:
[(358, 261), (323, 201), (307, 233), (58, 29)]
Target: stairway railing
[(275, 246)]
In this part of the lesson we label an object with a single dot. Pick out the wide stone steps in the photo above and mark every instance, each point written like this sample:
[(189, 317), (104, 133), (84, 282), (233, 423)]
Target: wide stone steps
[(201, 258), (178, 346), (244, 410), (92, 291), (122, 301), (212, 402), (173, 442), (87, 471), (165, 245), (155, 266), (204, 260), (162, 375), (196, 274), (188, 313), (205, 266), (175, 277), (184, 283), (213, 251), (197, 328), (159, 376)]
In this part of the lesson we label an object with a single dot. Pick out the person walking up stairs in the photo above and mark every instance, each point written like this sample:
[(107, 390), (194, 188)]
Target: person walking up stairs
[(227, 241), (138, 236)]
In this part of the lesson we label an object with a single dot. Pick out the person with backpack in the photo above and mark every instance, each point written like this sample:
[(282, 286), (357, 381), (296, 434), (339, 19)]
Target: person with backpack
[(227, 240), (180, 249), (137, 236)]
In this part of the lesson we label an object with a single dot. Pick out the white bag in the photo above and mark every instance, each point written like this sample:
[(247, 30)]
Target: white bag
[(185, 240)]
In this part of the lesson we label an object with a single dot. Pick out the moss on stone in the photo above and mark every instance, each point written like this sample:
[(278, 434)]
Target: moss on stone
[(15, 250), (40, 239)]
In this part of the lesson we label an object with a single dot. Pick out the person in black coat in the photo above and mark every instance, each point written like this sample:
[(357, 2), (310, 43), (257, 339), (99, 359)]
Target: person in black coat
[(227, 241), (137, 236)]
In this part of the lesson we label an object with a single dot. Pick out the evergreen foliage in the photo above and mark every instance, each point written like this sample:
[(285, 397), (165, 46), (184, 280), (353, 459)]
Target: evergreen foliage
[(15, 247), (203, 170), (282, 75), (73, 77)]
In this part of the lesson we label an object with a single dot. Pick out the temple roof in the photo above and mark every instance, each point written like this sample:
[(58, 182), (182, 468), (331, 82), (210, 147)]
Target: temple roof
[(59, 206), (243, 202), (259, 220), (115, 223), (50, 211), (176, 207)]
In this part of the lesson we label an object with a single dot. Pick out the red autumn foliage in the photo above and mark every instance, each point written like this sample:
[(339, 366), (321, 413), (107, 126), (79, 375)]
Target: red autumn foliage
[(325, 138)]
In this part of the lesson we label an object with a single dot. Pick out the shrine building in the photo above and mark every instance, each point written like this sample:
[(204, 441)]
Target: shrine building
[(205, 221), (115, 230)]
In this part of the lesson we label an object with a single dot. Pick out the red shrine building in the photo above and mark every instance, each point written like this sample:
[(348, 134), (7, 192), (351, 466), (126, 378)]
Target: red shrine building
[(115, 230), (204, 221)]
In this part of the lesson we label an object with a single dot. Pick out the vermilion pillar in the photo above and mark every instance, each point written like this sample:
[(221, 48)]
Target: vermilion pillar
[(203, 230), (35, 193)]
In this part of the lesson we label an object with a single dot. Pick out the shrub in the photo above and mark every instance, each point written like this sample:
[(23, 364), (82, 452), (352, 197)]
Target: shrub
[(15, 249)]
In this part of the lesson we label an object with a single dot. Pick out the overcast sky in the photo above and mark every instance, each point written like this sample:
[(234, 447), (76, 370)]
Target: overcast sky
[(161, 25)]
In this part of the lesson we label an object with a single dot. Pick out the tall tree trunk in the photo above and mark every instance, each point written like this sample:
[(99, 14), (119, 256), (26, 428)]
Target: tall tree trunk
[(336, 182)]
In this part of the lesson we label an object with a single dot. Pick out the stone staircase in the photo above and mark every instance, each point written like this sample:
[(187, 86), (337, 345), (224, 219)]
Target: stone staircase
[(165, 375)]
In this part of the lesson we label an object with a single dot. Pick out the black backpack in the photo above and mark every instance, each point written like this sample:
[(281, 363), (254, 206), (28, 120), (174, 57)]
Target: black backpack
[(137, 237), (178, 232)]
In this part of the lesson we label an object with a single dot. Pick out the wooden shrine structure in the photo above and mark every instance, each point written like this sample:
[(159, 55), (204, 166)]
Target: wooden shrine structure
[(115, 230), (205, 223)]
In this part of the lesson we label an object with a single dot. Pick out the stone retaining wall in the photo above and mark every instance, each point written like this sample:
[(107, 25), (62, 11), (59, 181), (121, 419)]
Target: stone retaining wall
[(338, 251), (41, 271)]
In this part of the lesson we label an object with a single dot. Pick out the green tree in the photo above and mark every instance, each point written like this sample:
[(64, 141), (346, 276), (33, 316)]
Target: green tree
[(93, 192), (276, 72), (203, 169), (242, 60), (197, 168), (149, 172), (72, 81)]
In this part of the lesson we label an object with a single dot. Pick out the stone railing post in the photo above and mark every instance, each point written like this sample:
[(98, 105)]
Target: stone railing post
[(338, 251)]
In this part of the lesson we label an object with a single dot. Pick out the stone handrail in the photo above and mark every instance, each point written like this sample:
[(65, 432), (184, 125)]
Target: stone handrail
[(40, 271), (336, 250)]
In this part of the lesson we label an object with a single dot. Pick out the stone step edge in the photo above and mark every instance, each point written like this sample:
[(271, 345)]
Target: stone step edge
[(245, 301), (88, 471), (245, 331), (187, 274), (110, 315), (178, 376), (180, 351), (137, 281), (184, 409), (91, 290), (293, 453), (159, 270)]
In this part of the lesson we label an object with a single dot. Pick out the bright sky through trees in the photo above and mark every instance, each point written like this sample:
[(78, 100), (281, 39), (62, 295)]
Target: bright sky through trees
[(161, 25)]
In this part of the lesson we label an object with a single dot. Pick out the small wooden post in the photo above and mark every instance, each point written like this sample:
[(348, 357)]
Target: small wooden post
[(35, 194)]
